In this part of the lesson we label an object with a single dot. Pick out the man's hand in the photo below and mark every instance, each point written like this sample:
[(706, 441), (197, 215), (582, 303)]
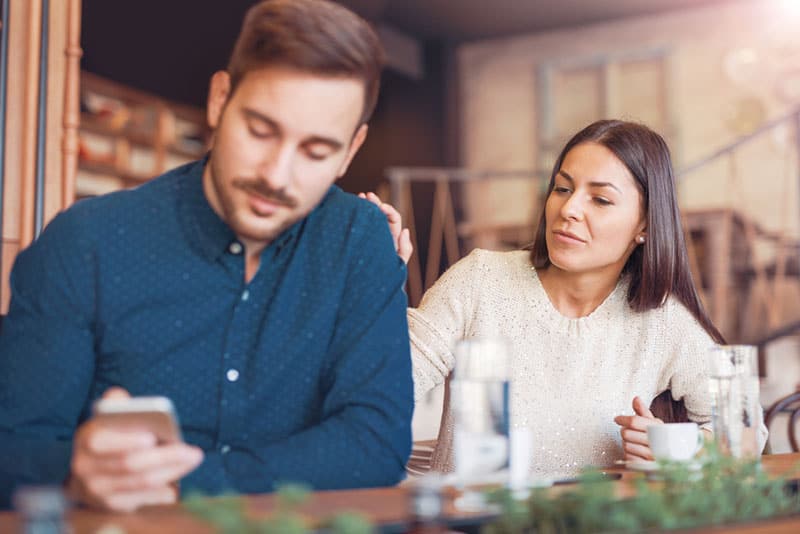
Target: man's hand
[(401, 236), (634, 431), (122, 470)]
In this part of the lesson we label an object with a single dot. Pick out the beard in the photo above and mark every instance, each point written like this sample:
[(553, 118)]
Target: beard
[(226, 200), (260, 188)]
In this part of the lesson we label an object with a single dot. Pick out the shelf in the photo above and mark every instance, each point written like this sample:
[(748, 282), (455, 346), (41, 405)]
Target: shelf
[(97, 125), (185, 152), (129, 137), (110, 170)]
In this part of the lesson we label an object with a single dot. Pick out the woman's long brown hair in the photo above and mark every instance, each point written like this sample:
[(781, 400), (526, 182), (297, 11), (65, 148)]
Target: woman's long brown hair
[(660, 267)]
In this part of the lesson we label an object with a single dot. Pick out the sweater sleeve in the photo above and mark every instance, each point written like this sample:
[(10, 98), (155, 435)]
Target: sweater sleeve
[(442, 319), (688, 372)]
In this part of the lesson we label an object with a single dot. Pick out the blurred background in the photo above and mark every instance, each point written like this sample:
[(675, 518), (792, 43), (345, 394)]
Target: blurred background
[(477, 100)]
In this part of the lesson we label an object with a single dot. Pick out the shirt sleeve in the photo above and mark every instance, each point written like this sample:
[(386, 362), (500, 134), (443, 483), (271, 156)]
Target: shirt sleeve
[(688, 372), (46, 357), (364, 435), (440, 320)]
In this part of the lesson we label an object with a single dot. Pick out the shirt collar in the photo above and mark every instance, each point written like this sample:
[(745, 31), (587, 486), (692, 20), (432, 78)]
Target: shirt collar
[(205, 230)]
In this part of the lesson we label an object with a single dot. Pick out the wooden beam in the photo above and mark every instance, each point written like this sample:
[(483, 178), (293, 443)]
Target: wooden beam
[(23, 27)]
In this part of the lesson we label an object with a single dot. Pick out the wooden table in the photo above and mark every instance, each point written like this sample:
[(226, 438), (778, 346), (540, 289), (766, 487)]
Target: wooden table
[(383, 506)]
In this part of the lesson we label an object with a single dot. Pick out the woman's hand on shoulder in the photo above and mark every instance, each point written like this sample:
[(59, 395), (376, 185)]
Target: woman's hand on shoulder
[(401, 236), (633, 429)]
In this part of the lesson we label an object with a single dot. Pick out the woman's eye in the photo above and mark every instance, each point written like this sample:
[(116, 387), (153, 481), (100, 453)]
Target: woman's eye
[(602, 201), (561, 189)]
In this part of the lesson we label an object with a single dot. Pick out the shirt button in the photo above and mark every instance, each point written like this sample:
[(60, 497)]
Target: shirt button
[(225, 449), (235, 248), (245, 294), (232, 375)]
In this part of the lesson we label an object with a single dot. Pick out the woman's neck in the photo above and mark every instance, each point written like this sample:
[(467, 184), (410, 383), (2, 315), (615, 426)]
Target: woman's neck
[(576, 295)]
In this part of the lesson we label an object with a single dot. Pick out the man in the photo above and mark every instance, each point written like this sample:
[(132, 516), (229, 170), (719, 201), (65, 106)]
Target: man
[(264, 301)]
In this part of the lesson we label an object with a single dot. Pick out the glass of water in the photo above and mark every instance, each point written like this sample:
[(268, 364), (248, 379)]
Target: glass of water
[(735, 409), (479, 401)]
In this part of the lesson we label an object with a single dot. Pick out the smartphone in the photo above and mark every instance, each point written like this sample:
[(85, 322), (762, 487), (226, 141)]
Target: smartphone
[(154, 414)]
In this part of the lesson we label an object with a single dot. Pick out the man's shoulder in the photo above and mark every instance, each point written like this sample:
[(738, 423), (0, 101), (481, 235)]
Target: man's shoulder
[(347, 212), (337, 203), (125, 204), (92, 222), (342, 223)]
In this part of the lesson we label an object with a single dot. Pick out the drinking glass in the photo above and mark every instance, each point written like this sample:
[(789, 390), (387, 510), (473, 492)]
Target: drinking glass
[(479, 401), (735, 409)]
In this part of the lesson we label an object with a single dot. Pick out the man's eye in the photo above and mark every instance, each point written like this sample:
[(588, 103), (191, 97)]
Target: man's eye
[(316, 156), (561, 189), (259, 128), (260, 132), (317, 151)]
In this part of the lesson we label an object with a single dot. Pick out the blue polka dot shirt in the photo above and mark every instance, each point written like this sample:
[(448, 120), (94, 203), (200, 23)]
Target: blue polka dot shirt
[(303, 374)]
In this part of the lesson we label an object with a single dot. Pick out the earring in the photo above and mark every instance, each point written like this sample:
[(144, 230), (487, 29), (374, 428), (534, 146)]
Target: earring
[(640, 239)]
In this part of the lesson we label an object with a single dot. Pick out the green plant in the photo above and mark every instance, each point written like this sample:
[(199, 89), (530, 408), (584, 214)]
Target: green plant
[(228, 515), (723, 491)]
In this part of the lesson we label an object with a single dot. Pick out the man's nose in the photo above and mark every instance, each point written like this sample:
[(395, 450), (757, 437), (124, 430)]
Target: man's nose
[(276, 169)]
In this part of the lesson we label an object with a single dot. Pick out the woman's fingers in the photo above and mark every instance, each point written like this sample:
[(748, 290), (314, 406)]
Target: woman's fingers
[(404, 246), (400, 235), (634, 431), (641, 408), (634, 451), (634, 436), (636, 422)]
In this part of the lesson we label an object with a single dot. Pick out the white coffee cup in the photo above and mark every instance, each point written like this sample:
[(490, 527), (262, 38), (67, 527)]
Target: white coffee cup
[(675, 442)]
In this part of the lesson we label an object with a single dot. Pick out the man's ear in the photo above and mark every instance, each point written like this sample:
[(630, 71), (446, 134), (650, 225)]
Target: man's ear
[(358, 140), (218, 93)]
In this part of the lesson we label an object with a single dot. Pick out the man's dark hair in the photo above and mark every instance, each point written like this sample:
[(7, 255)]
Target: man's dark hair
[(315, 36)]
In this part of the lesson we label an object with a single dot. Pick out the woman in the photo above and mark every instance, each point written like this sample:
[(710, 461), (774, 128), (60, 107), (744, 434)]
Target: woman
[(601, 314)]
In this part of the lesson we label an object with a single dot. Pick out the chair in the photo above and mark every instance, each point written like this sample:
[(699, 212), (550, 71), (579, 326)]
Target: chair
[(788, 404), (421, 455)]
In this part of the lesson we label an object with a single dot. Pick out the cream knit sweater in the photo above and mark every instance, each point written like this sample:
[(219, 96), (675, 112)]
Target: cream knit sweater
[(570, 377)]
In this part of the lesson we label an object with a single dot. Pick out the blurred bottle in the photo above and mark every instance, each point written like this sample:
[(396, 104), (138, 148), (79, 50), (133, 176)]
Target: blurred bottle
[(41, 510), (426, 506)]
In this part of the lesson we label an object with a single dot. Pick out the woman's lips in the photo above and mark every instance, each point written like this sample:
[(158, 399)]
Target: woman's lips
[(568, 238)]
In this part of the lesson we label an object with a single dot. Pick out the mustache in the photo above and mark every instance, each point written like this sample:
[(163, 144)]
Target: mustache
[(279, 196)]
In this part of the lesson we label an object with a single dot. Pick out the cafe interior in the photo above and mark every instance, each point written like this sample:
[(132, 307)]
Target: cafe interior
[(476, 101)]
